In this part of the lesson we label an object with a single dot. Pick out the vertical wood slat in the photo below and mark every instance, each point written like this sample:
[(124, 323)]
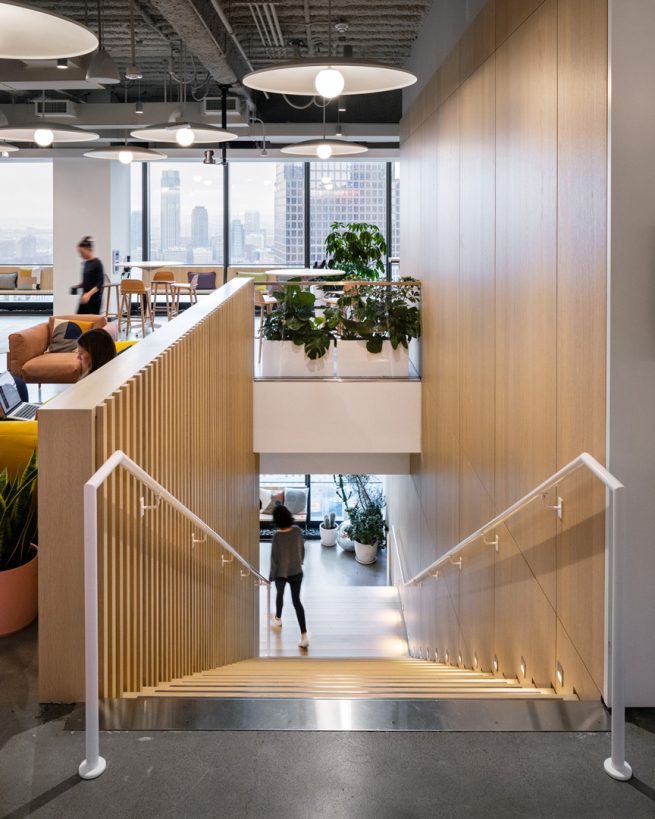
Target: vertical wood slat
[(178, 611)]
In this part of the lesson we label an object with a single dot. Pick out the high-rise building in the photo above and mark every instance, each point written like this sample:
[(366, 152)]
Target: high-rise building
[(252, 221), (345, 192), (199, 227), (288, 219), (237, 241), (136, 228), (170, 210)]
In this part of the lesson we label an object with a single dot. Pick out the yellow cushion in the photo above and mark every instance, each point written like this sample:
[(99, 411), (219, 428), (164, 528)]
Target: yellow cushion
[(24, 272), (18, 440), (123, 345)]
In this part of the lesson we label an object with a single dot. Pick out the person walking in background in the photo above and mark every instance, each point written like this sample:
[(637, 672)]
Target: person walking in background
[(287, 557), (93, 277)]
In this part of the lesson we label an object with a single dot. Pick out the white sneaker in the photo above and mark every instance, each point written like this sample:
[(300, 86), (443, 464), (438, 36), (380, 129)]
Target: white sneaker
[(276, 622), (304, 641)]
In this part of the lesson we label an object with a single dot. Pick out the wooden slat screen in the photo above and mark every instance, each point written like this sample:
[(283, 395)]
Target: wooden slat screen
[(181, 407)]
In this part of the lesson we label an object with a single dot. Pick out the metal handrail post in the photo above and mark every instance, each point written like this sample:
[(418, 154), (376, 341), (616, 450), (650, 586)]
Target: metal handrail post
[(93, 765), (616, 765), (268, 620)]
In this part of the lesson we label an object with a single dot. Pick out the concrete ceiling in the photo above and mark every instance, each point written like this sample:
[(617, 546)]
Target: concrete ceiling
[(212, 42)]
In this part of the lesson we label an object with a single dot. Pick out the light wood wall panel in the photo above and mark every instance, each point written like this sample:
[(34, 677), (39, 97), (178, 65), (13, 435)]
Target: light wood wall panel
[(504, 163), (181, 407)]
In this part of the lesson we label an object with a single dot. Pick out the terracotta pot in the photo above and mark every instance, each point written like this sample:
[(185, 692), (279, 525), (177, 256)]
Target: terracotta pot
[(19, 596)]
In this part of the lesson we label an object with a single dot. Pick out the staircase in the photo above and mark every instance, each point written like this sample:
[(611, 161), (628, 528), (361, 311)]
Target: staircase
[(368, 679)]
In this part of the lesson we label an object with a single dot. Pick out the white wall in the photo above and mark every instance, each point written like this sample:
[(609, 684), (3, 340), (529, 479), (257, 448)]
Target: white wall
[(442, 27), (276, 463), (631, 394), (337, 416), (92, 197)]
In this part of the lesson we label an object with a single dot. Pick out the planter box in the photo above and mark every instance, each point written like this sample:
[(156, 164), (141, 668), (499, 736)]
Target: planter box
[(354, 360), (19, 593), (284, 359)]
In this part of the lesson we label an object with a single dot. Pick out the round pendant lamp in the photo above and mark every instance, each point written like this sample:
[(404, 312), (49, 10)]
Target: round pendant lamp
[(324, 148), (31, 34), (330, 78), (126, 154), (6, 149), (184, 134), (45, 133)]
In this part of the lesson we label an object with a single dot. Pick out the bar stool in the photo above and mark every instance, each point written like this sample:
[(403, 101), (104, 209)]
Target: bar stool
[(129, 288), (265, 303), (184, 287), (161, 280), (108, 288)]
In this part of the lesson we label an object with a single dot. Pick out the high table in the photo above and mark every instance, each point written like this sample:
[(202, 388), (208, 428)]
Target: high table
[(150, 266)]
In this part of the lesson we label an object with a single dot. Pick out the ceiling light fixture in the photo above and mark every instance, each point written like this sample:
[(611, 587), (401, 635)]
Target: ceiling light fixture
[(120, 152), (102, 69), (6, 149), (197, 133), (324, 148), (329, 77), (138, 107), (45, 133), (32, 34), (62, 64), (209, 159), (133, 72)]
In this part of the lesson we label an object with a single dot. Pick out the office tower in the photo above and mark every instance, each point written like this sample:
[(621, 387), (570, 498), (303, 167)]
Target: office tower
[(136, 227), (237, 241), (345, 192), (170, 210), (288, 220), (252, 221), (199, 227)]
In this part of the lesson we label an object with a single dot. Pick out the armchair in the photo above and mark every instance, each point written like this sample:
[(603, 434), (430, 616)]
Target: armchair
[(29, 358)]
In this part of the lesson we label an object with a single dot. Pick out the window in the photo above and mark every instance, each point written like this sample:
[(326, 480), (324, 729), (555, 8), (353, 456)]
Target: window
[(136, 211), (267, 213), (26, 212), (186, 212), (345, 192), (394, 244), (324, 498)]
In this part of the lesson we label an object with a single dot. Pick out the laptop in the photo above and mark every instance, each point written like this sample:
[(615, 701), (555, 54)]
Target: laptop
[(11, 407)]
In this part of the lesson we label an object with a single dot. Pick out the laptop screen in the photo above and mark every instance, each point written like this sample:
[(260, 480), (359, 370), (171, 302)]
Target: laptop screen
[(9, 397)]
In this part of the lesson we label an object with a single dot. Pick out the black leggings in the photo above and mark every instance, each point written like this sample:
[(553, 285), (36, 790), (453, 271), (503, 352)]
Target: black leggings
[(294, 582)]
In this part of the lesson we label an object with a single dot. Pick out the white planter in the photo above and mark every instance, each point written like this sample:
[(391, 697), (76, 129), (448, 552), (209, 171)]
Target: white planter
[(354, 360), (365, 553), (343, 540), (284, 359), (328, 536)]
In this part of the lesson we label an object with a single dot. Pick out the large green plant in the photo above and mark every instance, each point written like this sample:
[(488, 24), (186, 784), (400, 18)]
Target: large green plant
[(17, 516), (366, 518), (294, 320), (357, 248), (379, 313)]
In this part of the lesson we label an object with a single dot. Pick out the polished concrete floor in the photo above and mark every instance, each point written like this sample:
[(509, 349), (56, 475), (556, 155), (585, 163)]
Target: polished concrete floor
[(308, 774)]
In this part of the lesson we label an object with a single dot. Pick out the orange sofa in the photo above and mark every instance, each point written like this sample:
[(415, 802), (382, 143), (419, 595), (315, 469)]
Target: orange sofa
[(29, 358)]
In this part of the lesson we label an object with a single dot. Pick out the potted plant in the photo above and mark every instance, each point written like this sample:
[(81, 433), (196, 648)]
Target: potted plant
[(346, 543), (296, 341), (18, 554), (357, 248), (329, 530), (366, 526), (378, 326)]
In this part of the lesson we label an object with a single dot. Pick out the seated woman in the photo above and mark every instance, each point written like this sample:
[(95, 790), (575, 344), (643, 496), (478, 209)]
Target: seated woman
[(94, 348)]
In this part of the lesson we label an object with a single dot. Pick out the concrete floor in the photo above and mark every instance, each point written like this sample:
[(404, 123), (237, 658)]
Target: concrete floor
[(323, 774)]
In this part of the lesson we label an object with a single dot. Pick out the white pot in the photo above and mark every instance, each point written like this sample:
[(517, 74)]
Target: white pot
[(284, 359), (354, 360), (365, 553), (328, 536), (343, 540)]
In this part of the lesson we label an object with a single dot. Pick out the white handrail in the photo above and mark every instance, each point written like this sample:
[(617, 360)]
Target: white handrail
[(94, 765), (615, 765)]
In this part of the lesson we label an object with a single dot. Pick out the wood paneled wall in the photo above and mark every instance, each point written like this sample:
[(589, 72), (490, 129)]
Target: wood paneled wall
[(503, 161), (180, 404)]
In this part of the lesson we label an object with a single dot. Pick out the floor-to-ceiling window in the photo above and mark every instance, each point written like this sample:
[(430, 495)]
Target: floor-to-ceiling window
[(345, 192), (25, 212), (267, 213), (186, 212)]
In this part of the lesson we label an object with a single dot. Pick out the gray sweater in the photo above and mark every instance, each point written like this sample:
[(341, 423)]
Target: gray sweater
[(287, 553)]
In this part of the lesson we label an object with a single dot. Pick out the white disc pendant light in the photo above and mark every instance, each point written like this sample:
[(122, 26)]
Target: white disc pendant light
[(184, 134), (31, 34), (324, 148), (126, 154), (46, 133)]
